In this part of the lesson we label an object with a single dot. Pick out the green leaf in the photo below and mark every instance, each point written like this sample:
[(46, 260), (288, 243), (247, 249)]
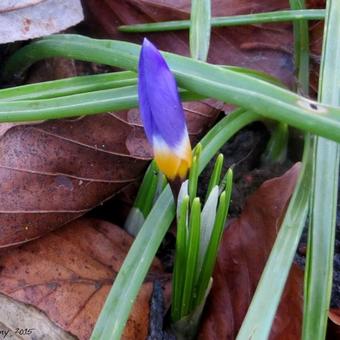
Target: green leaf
[(262, 309), (200, 29), (147, 189), (114, 314), (134, 221), (193, 175), (247, 19), (204, 79), (144, 200), (143, 250), (216, 174), (301, 48), (212, 249), (191, 256), (276, 150), (73, 105), (69, 86), (321, 237), (180, 260), (270, 287), (208, 217), (92, 83)]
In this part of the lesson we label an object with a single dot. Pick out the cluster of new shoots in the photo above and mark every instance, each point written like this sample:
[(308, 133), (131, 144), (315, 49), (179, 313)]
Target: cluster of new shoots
[(199, 232)]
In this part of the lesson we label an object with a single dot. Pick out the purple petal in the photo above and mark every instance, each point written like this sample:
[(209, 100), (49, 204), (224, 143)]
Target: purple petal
[(160, 106)]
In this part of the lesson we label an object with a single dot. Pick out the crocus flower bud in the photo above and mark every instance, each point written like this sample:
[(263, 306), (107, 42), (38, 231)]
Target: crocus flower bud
[(162, 113)]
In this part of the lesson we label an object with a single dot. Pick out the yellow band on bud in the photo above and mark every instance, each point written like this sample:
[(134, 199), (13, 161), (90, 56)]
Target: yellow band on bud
[(172, 165)]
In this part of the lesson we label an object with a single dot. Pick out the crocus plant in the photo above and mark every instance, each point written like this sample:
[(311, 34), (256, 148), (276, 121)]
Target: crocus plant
[(199, 231), (162, 113)]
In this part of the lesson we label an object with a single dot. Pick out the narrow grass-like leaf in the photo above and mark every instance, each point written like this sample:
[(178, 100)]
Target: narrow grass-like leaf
[(144, 200), (113, 316), (276, 149), (271, 284), (247, 19), (180, 260), (228, 185), (191, 256), (321, 237), (74, 105), (161, 184), (256, 74), (134, 221), (193, 176), (208, 217), (147, 189), (261, 312), (199, 36), (198, 77), (212, 249), (183, 191), (216, 174), (97, 82), (301, 48), (69, 86)]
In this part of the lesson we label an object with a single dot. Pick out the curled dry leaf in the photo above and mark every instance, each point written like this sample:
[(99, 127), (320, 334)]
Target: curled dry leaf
[(28, 19), (16, 317), (68, 274), (334, 315), (333, 331), (245, 248), (12, 5)]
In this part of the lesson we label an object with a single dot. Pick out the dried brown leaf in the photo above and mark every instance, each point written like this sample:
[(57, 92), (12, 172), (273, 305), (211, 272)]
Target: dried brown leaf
[(18, 319), (334, 315), (56, 171), (245, 248), (68, 274), (11, 5), (333, 331), (28, 19), (263, 47)]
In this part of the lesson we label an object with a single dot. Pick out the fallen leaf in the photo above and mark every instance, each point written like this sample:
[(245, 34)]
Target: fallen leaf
[(316, 4), (244, 250), (333, 331), (28, 19), (11, 5), (266, 47), (54, 172), (334, 315), (68, 274), (18, 319)]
